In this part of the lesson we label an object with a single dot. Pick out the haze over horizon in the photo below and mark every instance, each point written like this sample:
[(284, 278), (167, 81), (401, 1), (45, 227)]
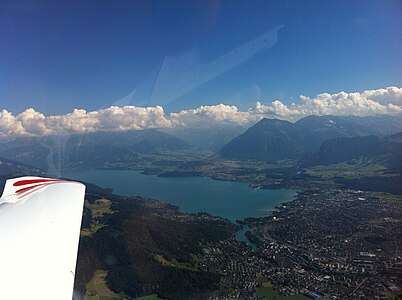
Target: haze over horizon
[(115, 118)]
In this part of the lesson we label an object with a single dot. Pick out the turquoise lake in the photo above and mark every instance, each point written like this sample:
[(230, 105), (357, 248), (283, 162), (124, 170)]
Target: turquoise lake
[(232, 200)]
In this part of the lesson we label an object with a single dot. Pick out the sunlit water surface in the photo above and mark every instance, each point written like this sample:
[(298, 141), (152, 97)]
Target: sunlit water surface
[(232, 200)]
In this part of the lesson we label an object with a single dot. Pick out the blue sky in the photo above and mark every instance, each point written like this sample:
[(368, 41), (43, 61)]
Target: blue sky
[(59, 55)]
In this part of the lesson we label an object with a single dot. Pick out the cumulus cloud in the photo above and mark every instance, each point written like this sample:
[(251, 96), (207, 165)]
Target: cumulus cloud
[(390, 95), (31, 122), (9, 124), (382, 101), (34, 121), (110, 119), (205, 116)]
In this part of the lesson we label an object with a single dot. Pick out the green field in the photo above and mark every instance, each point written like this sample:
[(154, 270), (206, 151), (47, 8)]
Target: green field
[(175, 264), (100, 207), (97, 289), (150, 297), (93, 229), (270, 294), (358, 169)]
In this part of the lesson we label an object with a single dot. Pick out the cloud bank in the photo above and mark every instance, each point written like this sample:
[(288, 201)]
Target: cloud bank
[(31, 122)]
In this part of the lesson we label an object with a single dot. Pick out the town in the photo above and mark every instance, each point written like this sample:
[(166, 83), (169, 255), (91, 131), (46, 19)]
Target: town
[(333, 244)]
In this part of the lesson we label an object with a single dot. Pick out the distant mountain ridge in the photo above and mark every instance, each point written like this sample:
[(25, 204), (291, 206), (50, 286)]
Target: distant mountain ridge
[(387, 150), (269, 140), (272, 140), (212, 139), (9, 167), (348, 126), (90, 149), (344, 149)]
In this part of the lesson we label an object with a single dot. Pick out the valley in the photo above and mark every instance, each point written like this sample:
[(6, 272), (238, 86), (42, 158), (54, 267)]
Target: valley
[(211, 149), (346, 152), (331, 242), (338, 236)]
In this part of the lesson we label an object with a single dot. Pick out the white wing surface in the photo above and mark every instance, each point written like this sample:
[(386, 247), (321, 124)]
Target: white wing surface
[(40, 220)]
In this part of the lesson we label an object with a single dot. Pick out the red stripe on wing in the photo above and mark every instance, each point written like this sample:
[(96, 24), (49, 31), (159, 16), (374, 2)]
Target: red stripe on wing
[(34, 189), (28, 188), (32, 181)]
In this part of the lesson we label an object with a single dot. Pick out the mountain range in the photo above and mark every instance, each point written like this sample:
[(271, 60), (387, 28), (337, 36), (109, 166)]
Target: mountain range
[(386, 150), (90, 149), (212, 139), (311, 140), (273, 140)]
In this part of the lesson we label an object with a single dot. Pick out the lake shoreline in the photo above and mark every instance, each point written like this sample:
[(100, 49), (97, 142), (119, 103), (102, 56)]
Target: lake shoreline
[(229, 199), (232, 200)]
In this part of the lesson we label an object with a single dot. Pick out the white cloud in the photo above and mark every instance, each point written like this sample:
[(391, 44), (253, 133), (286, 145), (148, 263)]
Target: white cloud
[(341, 104), (31, 122), (206, 116), (9, 124), (390, 95), (109, 119)]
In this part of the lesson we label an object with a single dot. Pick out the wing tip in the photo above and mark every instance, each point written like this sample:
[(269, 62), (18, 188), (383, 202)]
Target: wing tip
[(19, 187)]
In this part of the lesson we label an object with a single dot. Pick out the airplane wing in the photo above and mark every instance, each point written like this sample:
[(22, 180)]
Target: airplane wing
[(40, 220)]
